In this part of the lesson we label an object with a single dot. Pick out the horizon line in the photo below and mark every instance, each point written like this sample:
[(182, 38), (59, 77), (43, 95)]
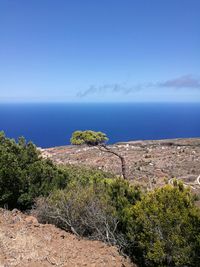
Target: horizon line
[(100, 102)]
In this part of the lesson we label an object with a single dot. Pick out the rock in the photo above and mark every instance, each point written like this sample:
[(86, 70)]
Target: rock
[(16, 219), (15, 211), (31, 220)]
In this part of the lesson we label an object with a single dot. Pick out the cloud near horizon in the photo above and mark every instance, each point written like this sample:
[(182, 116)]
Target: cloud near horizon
[(109, 88), (187, 81), (183, 82)]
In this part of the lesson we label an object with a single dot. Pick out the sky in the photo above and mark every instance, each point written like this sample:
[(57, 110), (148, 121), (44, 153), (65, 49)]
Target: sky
[(99, 51)]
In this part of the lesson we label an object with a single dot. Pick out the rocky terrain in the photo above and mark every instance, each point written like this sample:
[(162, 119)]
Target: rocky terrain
[(150, 163), (26, 243)]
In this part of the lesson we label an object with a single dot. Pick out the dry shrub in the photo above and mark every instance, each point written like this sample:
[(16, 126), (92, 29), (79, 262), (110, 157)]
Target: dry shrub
[(83, 210)]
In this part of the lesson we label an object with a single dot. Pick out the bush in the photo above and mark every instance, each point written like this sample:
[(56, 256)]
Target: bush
[(24, 175), (161, 228), (165, 228), (95, 209), (83, 212), (85, 175)]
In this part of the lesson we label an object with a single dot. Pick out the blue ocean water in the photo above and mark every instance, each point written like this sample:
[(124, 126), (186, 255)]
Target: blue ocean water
[(50, 125)]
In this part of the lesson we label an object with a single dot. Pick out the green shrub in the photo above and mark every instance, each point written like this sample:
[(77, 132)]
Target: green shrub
[(165, 228), (160, 228), (85, 175), (24, 175)]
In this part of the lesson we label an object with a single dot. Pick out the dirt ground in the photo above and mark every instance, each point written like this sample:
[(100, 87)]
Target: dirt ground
[(26, 243), (150, 163)]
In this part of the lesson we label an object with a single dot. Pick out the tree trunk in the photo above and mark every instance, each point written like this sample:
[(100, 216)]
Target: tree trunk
[(123, 166), (104, 148)]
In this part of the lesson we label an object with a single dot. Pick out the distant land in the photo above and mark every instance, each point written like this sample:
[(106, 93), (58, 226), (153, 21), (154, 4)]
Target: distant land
[(149, 163)]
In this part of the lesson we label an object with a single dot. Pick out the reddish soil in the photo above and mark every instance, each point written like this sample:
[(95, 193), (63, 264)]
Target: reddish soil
[(26, 243)]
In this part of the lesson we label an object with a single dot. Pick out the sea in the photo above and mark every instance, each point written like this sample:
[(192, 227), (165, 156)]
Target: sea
[(49, 125)]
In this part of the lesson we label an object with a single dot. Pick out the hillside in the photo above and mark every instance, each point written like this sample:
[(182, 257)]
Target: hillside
[(85, 202), (149, 163), (26, 243)]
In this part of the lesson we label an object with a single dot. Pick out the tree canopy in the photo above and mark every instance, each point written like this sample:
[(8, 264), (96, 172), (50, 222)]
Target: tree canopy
[(88, 137), (99, 139)]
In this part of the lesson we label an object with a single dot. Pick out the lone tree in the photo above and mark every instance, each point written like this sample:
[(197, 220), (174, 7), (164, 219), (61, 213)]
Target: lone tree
[(97, 139)]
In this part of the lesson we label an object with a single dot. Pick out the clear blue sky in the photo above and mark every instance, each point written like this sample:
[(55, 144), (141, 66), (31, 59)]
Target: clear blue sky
[(99, 50)]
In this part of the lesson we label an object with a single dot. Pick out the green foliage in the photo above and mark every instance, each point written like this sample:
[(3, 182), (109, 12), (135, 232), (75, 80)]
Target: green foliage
[(160, 228), (24, 175), (90, 138), (86, 175), (123, 196), (165, 228)]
